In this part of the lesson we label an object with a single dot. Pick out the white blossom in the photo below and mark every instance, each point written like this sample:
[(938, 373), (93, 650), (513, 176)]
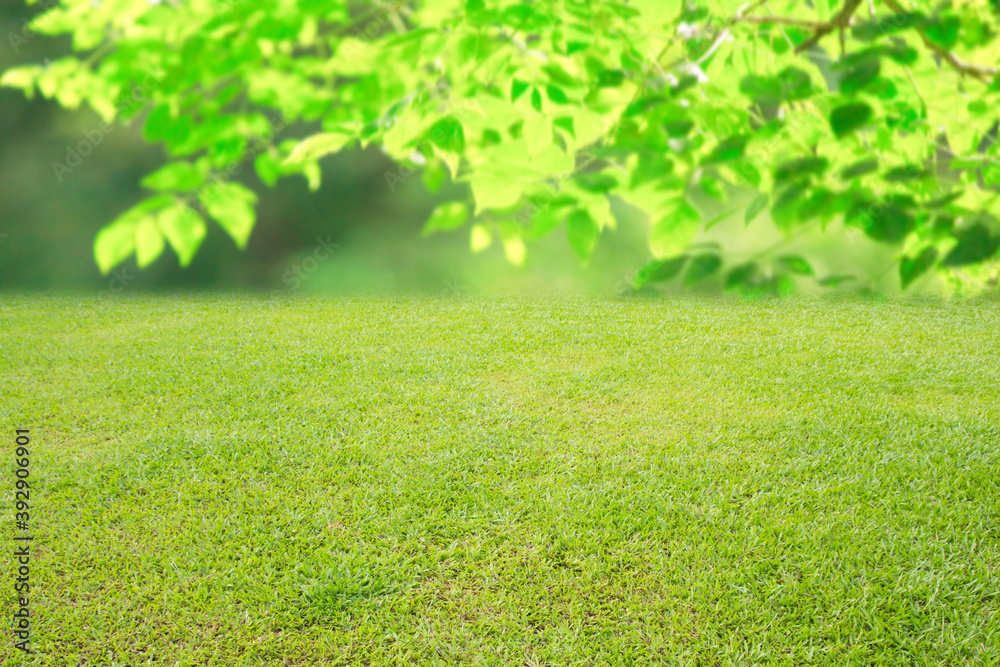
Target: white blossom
[(687, 30), (696, 72)]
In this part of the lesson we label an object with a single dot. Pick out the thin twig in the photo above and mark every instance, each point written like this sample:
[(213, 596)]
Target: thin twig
[(839, 21), (979, 71), (780, 20), (748, 8), (923, 102), (715, 45), (781, 29)]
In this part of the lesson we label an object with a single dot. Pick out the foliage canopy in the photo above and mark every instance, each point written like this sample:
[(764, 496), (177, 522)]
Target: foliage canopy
[(881, 114)]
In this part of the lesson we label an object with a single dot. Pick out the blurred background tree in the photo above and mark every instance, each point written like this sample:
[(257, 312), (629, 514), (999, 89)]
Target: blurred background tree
[(48, 225), (64, 176)]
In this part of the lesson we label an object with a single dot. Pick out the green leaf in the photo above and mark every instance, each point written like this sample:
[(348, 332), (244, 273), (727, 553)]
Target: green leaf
[(885, 89), (942, 30), (158, 123), (910, 268), (494, 193), (730, 148), (22, 78), (231, 205), (175, 177), (114, 244), (790, 85), (184, 230), (748, 172), (835, 279), (785, 211), (679, 128), (849, 117), (961, 163), (859, 169), (565, 123), (448, 134), (537, 133), (702, 266), (904, 54), (480, 238), (517, 88), (795, 169), (447, 216), (556, 94), (434, 175), (756, 206), (558, 75), (316, 147), (582, 232), (713, 187), (536, 100), (148, 242), (659, 270), (888, 222), (671, 235), (945, 200), (868, 30), (974, 245), (795, 264), (549, 217), (596, 182), (860, 75), (821, 203), (313, 175), (650, 167), (744, 275), (611, 78), (991, 173), (470, 47), (523, 17), (474, 7), (514, 251), (268, 168), (978, 107), (910, 172), (686, 82)]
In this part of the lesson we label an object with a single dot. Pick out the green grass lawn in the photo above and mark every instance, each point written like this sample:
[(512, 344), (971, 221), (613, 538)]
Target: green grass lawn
[(232, 480)]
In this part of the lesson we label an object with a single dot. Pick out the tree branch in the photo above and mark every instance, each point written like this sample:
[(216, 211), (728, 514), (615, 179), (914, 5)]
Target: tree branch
[(840, 21), (979, 71), (766, 20), (844, 19), (820, 28)]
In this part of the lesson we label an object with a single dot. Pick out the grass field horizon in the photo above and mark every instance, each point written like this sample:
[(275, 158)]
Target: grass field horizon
[(227, 479)]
